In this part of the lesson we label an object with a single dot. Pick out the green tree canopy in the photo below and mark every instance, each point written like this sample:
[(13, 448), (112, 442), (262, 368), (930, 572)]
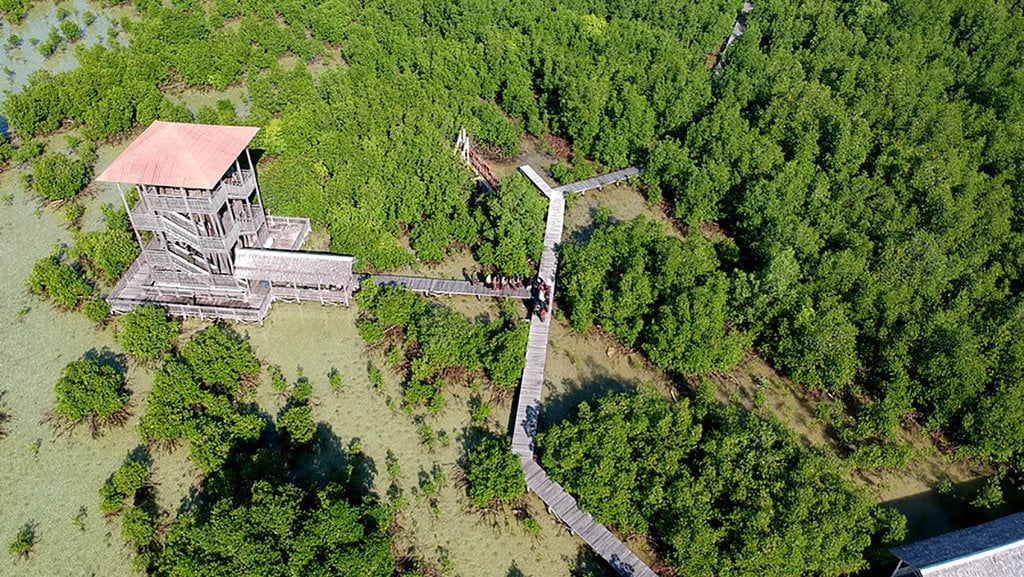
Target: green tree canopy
[(653, 291), (59, 281), (146, 332), (512, 227), (92, 392), (56, 176), (725, 492), (221, 359), (493, 474)]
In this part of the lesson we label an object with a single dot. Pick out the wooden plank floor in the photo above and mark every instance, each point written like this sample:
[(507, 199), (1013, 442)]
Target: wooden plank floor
[(440, 286), (524, 429), (536, 179), (562, 505), (600, 181)]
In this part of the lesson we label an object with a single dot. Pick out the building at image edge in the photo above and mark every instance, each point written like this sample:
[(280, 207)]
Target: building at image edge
[(209, 249), (993, 549)]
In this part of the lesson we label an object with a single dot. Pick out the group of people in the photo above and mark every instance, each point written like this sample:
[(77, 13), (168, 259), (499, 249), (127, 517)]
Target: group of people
[(540, 291), (496, 281)]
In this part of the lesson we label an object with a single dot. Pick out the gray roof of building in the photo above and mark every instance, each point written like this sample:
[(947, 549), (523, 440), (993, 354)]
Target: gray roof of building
[(293, 267), (993, 549)]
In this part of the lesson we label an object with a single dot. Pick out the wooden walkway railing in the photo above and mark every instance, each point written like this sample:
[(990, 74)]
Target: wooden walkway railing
[(440, 286)]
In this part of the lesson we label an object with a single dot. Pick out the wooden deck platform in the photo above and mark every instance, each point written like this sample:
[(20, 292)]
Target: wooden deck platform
[(616, 177), (440, 286)]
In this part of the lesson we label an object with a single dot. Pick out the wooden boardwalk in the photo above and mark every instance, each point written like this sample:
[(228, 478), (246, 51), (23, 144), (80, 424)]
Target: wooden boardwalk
[(600, 181), (440, 286), (536, 179), (524, 431), (562, 505), (524, 428)]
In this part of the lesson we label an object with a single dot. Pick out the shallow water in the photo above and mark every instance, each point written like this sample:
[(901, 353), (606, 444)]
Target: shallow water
[(19, 62), (48, 479)]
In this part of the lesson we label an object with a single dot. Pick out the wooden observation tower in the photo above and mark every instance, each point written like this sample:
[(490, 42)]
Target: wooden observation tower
[(208, 247)]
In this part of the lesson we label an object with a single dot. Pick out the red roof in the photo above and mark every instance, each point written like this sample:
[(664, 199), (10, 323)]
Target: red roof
[(176, 154)]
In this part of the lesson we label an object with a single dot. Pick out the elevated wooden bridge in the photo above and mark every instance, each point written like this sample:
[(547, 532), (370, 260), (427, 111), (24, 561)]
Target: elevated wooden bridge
[(446, 287), (581, 186), (562, 505), (600, 181), (524, 428)]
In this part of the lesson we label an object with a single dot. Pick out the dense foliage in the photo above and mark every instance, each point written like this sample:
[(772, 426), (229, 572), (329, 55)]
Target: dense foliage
[(273, 527), (663, 295), (866, 158), (91, 392), (105, 255), (126, 481), (259, 510), (146, 332), (296, 419), (428, 340), (54, 278), (364, 148), (58, 177), (69, 276), (493, 474), (185, 405), (724, 492), (221, 359), (512, 227)]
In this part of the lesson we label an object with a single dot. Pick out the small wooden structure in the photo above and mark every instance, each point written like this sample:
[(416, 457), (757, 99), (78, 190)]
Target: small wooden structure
[(993, 549), (208, 247), (484, 176)]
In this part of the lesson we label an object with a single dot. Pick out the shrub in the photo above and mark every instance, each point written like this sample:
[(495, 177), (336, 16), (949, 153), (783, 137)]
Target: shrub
[(70, 30), (56, 176), (96, 310), (334, 379), (73, 213), (221, 359), (146, 332), (58, 281), (297, 424), (23, 542), (106, 254), (494, 474), (92, 392), (138, 526), (479, 411), (123, 484), (277, 380)]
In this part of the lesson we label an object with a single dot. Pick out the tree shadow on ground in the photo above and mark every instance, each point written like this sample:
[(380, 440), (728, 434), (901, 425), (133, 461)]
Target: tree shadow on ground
[(105, 356), (935, 511), (560, 401), (329, 460), (587, 564)]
